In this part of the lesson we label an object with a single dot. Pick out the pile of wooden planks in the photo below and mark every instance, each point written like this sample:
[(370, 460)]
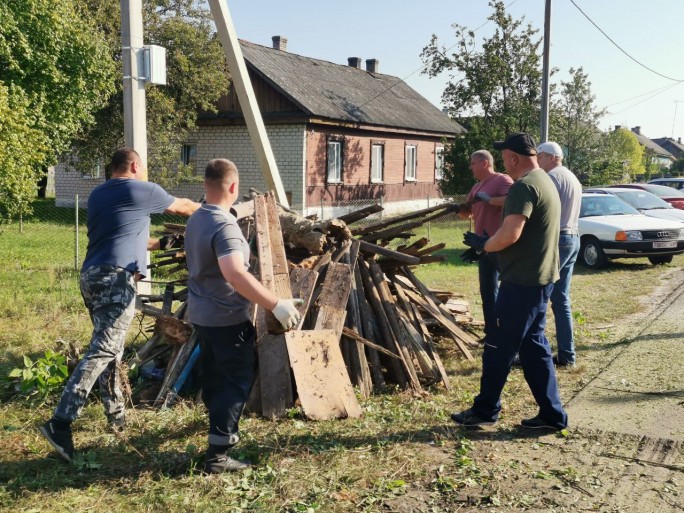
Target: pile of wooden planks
[(367, 319)]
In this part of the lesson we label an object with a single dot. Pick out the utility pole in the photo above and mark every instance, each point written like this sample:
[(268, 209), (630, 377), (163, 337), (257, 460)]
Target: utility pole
[(245, 93), (676, 102), (135, 122), (546, 72)]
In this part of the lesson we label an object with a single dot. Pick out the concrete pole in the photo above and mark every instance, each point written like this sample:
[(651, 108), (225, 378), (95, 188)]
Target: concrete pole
[(544, 132), (135, 121), (245, 93)]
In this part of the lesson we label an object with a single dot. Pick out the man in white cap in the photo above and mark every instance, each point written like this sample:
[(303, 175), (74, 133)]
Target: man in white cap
[(550, 159)]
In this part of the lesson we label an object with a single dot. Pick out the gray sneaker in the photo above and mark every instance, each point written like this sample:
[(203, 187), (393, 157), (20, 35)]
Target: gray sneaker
[(539, 423), (59, 437)]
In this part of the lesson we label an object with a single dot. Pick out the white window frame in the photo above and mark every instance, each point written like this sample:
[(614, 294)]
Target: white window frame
[(377, 163), (439, 162), (95, 174), (410, 162), (334, 161), (188, 155)]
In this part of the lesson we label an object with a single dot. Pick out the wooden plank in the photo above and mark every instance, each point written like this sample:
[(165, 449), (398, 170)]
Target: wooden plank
[(325, 390), (386, 335), (276, 391), (390, 233), (332, 302), (353, 335), (398, 219), (431, 308), (390, 307), (431, 348), (175, 367), (367, 328), (357, 215), (358, 364), (369, 247)]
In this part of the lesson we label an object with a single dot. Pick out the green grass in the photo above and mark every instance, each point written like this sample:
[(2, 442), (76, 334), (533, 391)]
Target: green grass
[(404, 445)]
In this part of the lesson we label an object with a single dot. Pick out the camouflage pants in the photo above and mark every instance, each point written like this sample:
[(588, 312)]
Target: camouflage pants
[(109, 294)]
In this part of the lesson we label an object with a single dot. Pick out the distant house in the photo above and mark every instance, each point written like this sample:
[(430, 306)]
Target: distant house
[(675, 147), (339, 133), (659, 155)]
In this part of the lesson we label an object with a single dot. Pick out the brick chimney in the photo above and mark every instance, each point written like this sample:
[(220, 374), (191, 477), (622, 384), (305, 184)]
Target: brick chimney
[(354, 62), (618, 127), (679, 140), (279, 43), (372, 66), (637, 130)]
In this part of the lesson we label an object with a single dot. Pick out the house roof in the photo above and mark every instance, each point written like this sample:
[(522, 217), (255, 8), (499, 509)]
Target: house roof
[(662, 141), (345, 93), (656, 148)]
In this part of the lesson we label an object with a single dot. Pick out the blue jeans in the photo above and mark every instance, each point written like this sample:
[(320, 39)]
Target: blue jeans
[(568, 248), (488, 270), (227, 367), (521, 319)]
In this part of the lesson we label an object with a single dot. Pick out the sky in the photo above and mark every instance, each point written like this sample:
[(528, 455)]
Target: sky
[(396, 31)]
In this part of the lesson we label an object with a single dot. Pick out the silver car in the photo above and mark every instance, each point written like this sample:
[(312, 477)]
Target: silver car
[(645, 202)]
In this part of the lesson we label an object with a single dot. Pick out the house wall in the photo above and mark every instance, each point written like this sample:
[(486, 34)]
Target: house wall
[(232, 142), (395, 192)]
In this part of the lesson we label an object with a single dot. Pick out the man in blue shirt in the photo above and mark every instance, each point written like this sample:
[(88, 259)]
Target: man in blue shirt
[(118, 239)]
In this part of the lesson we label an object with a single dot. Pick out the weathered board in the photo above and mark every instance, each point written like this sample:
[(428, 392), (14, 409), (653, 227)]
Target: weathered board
[(276, 391), (323, 384)]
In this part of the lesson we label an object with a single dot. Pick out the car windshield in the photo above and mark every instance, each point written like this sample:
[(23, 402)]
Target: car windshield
[(607, 205), (663, 191), (642, 200)]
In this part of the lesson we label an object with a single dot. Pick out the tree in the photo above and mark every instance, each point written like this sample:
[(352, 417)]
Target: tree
[(574, 123), (196, 78), (499, 87), (56, 71), (622, 159), (23, 149)]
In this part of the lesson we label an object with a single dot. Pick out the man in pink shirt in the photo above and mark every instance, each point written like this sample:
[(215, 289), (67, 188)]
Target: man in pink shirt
[(484, 205)]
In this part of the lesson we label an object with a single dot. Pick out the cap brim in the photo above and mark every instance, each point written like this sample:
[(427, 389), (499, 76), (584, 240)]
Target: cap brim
[(499, 145)]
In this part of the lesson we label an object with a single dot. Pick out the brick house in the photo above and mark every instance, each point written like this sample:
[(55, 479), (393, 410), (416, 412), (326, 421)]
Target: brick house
[(339, 133)]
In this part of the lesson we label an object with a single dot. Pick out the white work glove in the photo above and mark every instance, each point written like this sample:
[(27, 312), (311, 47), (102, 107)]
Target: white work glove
[(483, 196), (286, 312)]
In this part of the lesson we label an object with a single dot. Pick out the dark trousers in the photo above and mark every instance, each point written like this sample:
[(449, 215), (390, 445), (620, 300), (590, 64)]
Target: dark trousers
[(488, 271), (520, 321), (227, 368)]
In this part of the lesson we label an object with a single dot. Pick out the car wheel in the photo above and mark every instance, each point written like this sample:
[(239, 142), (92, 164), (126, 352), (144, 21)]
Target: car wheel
[(660, 260), (592, 254)]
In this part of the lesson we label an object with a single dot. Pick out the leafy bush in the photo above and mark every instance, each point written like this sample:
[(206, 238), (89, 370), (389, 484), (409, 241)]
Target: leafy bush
[(42, 377)]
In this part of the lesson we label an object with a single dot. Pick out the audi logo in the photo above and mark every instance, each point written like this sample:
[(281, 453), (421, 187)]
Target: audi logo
[(660, 235)]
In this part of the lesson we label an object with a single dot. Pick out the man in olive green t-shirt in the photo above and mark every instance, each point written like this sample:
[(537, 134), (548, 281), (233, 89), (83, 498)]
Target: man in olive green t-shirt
[(527, 247)]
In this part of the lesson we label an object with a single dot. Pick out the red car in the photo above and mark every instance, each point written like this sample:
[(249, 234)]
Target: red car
[(673, 196)]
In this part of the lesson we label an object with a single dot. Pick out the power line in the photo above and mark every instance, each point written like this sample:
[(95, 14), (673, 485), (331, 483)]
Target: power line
[(647, 99), (619, 47), (401, 80), (639, 95)]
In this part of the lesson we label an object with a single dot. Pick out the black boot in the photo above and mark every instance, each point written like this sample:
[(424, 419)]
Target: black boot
[(218, 461)]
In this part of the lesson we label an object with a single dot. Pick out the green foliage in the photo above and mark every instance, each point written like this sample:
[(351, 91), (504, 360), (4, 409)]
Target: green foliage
[(622, 158), (42, 377), (54, 72), (574, 120), (498, 89), (196, 78), (22, 151), (58, 59)]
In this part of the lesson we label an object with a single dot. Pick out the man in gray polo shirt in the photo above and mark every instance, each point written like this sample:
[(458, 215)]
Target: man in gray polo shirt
[(220, 290), (550, 158)]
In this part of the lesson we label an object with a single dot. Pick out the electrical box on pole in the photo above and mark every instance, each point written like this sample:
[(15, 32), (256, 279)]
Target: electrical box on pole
[(154, 64)]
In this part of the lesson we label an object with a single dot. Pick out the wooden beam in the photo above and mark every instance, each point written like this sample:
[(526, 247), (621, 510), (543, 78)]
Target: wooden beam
[(245, 92), (369, 247), (399, 219), (352, 217)]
